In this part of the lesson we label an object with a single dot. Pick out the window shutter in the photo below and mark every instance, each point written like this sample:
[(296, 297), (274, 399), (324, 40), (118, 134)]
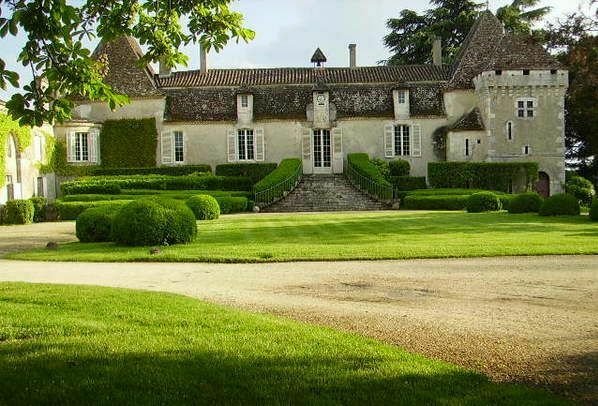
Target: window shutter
[(416, 143), (93, 143), (167, 148), (232, 146), (71, 153), (306, 150), (389, 141), (259, 144), (337, 150)]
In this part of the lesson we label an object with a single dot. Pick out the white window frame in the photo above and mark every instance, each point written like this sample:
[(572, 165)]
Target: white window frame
[(526, 112), (510, 130), (402, 96), (244, 101), (400, 148), (243, 133), (175, 147), (78, 149), (528, 148)]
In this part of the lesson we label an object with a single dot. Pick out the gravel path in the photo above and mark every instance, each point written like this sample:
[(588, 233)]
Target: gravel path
[(524, 319)]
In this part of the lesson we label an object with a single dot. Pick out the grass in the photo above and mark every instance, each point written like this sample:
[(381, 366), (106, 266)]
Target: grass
[(354, 236), (90, 345)]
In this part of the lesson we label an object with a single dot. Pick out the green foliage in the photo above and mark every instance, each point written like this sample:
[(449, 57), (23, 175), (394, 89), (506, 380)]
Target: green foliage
[(560, 205), (403, 183), (434, 202), (128, 143), (57, 162), (21, 136), (399, 167), (133, 195), (594, 210), (483, 201), (383, 167), (518, 20), (376, 183), (285, 171), (95, 224), (230, 204), (72, 210), (18, 212), (56, 34), (529, 202), (81, 188), (39, 208), (581, 188), (481, 175), (176, 170), (253, 171), (154, 221), (204, 207)]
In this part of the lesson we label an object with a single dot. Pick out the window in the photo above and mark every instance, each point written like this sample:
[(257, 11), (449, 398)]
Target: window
[(466, 146), (509, 130), (526, 108), (527, 150), (244, 101), (39, 186), (245, 145), (526, 72), (498, 72), (179, 147), (402, 140), (81, 147), (402, 97)]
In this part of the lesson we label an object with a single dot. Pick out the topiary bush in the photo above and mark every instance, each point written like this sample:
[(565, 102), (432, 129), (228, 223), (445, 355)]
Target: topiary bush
[(581, 188), (483, 201), (39, 208), (560, 205), (82, 187), (403, 183), (253, 171), (176, 170), (594, 210), (204, 207), (154, 221), (18, 212), (383, 166), (434, 202), (529, 202), (399, 167), (230, 204), (72, 210), (95, 224)]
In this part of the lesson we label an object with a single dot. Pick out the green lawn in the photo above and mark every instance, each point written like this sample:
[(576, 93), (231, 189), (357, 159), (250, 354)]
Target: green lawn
[(367, 235), (88, 345)]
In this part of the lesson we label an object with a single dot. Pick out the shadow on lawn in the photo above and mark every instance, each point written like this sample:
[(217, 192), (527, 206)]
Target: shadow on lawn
[(55, 374)]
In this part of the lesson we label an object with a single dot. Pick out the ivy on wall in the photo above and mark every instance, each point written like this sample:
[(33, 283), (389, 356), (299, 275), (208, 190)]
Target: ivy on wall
[(57, 162), (128, 143), (21, 136)]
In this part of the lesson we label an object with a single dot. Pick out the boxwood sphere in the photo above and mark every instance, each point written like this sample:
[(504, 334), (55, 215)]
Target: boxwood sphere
[(154, 221), (529, 202), (483, 201), (561, 204), (204, 207), (95, 224), (18, 212)]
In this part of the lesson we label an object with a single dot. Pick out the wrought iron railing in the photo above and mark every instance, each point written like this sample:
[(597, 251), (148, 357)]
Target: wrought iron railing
[(375, 189), (266, 197)]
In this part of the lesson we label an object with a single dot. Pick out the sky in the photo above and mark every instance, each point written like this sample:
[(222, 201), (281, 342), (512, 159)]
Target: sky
[(289, 31)]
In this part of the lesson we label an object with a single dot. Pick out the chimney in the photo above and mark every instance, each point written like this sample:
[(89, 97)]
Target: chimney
[(164, 70), (353, 55), (203, 59), (437, 51)]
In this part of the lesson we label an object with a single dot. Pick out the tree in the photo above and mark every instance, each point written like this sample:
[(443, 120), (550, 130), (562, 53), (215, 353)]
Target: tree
[(411, 35), (61, 66)]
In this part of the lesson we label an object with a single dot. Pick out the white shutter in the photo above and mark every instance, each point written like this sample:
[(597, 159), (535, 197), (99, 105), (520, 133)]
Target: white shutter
[(416, 140), (306, 150), (258, 142), (71, 147), (93, 144), (232, 146), (337, 150), (389, 141), (167, 148)]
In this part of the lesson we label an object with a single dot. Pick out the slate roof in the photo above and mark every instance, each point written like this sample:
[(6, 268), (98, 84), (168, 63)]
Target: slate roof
[(471, 121)]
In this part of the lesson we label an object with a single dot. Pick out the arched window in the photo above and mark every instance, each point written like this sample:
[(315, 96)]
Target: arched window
[(510, 130)]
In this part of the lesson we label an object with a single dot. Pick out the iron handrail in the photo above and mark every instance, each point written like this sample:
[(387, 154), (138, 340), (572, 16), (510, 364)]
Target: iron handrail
[(370, 186), (274, 193)]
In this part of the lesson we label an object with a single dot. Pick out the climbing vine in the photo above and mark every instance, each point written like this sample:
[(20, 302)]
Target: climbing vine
[(21, 136)]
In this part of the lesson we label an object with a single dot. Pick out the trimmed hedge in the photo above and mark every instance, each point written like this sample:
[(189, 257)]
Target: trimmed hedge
[(560, 204), (95, 224), (129, 143), (403, 183), (529, 202), (431, 202), (39, 208), (581, 188), (72, 210), (285, 170), (594, 210), (176, 170), (361, 163), (204, 207), (480, 175), (399, 167), (82, 188), (483, 201), (253, 171), (229, 205), (18, 212), (154, 221)]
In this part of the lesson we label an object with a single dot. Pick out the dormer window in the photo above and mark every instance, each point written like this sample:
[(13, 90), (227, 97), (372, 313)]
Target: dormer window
[(402, 97), (244, 101)]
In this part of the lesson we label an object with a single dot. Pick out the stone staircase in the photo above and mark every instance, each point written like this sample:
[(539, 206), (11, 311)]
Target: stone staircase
[(325, 193)]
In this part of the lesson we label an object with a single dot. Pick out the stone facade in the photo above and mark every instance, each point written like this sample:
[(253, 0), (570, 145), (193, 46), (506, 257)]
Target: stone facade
[(321, 114)]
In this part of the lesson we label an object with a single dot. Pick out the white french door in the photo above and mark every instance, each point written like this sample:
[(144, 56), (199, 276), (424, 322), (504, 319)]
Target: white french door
[(322, 153)]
